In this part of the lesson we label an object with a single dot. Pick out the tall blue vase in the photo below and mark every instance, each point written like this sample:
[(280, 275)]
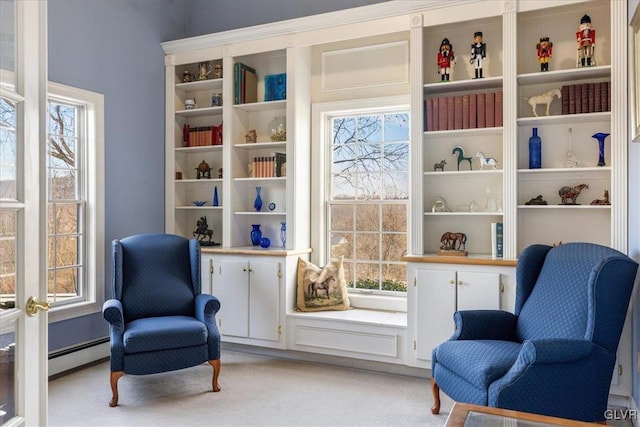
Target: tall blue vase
[(600, 136), (216, 202), (257, 203), (256, 234), (535, 150)]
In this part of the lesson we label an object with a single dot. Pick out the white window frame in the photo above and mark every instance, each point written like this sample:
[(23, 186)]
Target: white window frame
[(321, 182), (92, 179)]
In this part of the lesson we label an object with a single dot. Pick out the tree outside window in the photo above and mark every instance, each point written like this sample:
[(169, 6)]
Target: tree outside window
[(368, 201)]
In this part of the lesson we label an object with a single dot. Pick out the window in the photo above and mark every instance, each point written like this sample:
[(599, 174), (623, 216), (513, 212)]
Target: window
[(75, 236), (365, 194), (8, 196)]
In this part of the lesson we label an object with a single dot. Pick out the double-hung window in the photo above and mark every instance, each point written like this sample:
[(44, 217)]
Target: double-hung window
[(364, 192), (75, 236)]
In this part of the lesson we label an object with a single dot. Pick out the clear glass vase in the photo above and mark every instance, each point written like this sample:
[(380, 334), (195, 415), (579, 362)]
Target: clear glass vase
[(277, 129)]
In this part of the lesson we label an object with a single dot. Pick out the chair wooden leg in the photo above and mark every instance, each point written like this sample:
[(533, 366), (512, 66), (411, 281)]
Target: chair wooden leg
[(115, 376), (216, 372), (435, 409)]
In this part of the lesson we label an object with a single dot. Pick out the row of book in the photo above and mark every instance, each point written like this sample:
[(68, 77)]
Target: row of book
[(467, 111), (245, 87), (586, 98), (202, 136), (269, 166)]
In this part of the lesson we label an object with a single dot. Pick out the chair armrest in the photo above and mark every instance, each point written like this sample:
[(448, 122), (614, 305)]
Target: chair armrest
[(206, 307), (484, 325), (554, 350), (112, 312)]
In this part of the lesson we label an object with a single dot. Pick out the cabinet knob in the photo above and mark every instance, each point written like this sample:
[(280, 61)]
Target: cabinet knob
[(452, 282), (459, 282)]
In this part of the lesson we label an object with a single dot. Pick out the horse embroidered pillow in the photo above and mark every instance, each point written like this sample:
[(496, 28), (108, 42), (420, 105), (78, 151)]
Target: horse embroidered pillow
[(322, 288)]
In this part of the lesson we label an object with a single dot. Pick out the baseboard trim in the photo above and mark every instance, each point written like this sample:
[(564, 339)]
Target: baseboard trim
[(77, 356)]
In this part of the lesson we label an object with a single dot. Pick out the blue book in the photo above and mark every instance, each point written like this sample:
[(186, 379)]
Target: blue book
[(497, 240), (275, 87)]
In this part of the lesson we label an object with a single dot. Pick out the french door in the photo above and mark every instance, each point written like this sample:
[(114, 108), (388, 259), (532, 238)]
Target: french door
[(23, 293)]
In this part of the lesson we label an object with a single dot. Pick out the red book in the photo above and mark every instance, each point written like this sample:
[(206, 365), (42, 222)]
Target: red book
[(604, 97), (597, 97), (429, 114), (443, 114), (578, 99), (435, 123), (473, 111), (451, 112), (498, 109), (457, 114), (591, 90), (565, 99), (465, 111), (608, 96), (573, 101), (584, 88), (481, 110), (489, 110)]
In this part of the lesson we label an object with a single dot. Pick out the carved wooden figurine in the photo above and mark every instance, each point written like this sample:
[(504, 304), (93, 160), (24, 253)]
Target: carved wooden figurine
[(570, 194), (203, 170), (453, 243)]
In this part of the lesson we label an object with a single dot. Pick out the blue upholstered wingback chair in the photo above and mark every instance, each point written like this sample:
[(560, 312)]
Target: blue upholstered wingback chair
[(554, 356), (158, 319)]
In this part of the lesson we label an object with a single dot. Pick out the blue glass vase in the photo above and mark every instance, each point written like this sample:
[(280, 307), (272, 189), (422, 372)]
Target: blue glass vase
[(257, 203), (600, 136), (256, 234), (283, 233), (535, 150), (216, 202)]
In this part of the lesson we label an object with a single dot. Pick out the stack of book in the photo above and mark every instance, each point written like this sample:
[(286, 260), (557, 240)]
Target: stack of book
[(465, 111), (245, 88), (586, 98), (268, 166), (202, 136)]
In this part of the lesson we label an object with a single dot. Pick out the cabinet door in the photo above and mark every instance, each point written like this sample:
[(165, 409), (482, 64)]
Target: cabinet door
[(435, 305), (206, 273), (231, 286), (264, 297), (478, 291)]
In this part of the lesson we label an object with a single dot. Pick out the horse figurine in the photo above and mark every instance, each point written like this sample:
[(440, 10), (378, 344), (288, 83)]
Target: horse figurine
[(570, 194), (203, 230), (486, 161), (439, 165), (604, 201), (453, 241), (458, 152), (545, 99)]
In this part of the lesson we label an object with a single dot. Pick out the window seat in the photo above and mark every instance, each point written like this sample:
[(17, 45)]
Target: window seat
[(358, 316), (373, 335)]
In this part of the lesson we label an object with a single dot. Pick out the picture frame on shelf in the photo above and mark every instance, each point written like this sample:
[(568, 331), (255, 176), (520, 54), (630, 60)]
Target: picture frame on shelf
[(634, 53)]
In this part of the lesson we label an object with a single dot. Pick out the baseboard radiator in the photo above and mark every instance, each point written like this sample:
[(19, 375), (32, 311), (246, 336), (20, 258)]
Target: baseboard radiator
[(77, 356)]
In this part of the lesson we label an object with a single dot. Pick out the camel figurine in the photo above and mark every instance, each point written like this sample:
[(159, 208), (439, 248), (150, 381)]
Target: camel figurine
[(570, 194)]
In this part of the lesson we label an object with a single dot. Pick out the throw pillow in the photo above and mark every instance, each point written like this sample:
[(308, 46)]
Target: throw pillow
[(322, 288)]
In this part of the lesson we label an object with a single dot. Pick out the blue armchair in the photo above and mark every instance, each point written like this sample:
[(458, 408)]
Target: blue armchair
[(158, 318), (554, 356)]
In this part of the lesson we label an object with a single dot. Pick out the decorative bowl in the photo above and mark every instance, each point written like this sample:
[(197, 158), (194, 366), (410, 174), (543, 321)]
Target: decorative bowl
[(199, 202)]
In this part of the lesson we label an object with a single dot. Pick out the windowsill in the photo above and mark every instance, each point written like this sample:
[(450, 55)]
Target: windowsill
[(71, 311), (378, 302)]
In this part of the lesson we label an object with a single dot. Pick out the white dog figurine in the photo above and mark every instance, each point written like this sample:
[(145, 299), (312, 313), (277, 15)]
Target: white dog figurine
[(545, 99), (486, 161)]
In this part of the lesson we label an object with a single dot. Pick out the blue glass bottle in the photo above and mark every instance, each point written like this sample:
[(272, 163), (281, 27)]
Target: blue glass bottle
[(257, 203), (535, 150)]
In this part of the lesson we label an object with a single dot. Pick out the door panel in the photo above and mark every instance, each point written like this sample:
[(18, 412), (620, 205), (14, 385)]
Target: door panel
[(264, 297), (435, 302), (231, 286), (478, 291)]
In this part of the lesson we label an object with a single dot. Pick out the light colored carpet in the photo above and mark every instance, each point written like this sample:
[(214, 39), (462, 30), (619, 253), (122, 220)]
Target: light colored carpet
[(256, 391)]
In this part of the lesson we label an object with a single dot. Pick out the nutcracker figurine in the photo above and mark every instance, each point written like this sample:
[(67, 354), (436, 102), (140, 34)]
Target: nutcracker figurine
[(586, 40), (478, 53), (544, 48), (445, 58)]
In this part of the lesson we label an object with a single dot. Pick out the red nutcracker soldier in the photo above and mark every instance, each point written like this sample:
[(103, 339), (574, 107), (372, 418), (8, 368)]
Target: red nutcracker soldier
[(586, 39), (445, 58), (545, 48)]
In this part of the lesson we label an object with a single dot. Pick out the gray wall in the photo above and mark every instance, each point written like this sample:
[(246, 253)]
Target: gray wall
[(113, 47)]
